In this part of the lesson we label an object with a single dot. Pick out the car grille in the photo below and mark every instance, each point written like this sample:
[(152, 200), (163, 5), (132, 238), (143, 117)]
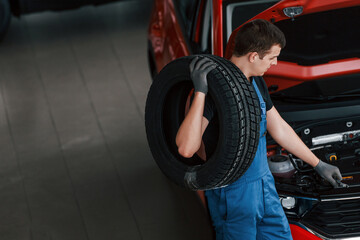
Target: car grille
[(334, 219)]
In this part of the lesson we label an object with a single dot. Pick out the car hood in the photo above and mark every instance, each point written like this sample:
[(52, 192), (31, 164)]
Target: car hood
[(302, 61)]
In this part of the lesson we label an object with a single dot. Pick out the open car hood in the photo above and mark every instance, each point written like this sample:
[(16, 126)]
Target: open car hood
[(320, 56)]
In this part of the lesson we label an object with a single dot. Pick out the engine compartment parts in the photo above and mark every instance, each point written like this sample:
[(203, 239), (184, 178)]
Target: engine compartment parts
[(336, 137), (331, 157), (281, 166)]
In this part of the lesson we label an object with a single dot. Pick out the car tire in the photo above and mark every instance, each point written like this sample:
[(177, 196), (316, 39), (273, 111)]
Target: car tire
[(5, 16), (238, 118)]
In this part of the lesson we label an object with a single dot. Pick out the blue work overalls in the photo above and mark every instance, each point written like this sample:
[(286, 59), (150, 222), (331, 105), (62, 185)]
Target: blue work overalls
[(250, 208)]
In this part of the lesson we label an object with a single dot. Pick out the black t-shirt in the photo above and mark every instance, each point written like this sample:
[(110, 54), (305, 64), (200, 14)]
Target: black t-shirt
[(210, 109)]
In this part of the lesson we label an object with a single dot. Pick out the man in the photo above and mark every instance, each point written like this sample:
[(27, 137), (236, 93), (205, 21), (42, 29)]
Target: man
[(249, 208)]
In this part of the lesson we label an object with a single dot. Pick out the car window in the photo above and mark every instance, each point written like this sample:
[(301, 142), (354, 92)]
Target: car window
[(237, 13), (321, 37), (187, 11)]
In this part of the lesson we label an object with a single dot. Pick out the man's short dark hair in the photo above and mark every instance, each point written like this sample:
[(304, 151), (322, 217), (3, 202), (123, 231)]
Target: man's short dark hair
[(258, 36)]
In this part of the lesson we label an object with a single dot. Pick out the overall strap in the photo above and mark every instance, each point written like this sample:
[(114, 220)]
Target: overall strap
[(262, 102)]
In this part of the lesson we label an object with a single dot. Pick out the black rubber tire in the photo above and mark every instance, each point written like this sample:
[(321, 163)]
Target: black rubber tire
[(5, 16), (238, 114)]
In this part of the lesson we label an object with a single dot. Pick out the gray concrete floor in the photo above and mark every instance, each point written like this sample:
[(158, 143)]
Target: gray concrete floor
[(74, 160)]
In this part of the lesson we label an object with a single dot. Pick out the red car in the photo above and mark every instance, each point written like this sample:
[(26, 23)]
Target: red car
[(315, 87)]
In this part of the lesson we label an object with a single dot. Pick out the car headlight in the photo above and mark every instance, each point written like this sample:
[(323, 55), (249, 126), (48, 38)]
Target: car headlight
[(295, 206)]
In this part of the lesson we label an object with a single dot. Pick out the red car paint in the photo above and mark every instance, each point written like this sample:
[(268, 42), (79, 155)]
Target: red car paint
[(218, 28), (299, 233), (165, 34), (168, 43), (286, 74)]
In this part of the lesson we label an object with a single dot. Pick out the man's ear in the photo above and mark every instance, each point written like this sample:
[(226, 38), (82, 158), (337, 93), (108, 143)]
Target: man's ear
[(253, 56)]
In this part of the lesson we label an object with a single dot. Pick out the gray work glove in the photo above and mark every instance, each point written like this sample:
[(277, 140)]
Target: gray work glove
[(330, 173), (199, 68)]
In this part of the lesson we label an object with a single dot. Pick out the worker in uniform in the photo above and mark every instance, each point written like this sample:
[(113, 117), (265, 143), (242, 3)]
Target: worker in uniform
[(249, 208)]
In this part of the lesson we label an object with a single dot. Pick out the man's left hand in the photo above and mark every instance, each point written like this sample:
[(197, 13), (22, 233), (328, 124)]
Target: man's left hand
[(330, 173)]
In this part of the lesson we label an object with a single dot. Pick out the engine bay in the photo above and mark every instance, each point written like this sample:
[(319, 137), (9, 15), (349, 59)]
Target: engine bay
[(335, 142)]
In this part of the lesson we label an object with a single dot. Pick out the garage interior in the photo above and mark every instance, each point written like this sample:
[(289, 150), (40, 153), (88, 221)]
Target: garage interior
[(75, 163)]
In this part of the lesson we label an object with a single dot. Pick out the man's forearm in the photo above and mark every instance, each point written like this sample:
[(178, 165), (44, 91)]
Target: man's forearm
[(189, 135), (289, 140), (284, 135)]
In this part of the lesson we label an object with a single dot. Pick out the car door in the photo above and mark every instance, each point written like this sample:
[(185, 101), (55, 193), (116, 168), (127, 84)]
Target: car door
[(178, 28)]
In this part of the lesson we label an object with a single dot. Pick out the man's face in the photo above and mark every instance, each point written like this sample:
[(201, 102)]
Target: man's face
[(262, 65)]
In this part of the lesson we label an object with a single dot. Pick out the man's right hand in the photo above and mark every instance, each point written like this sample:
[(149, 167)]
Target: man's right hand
[(199, 68)]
